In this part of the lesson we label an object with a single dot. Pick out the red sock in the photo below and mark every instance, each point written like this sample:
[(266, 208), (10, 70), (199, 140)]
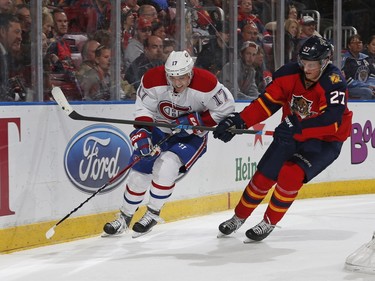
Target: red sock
[(253, 195), (289, 182)]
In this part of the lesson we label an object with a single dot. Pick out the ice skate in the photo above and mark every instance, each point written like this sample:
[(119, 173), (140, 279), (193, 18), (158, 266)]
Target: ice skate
[(259, 232), (230, 226), (146, 223), (118, 226), (363, 259)]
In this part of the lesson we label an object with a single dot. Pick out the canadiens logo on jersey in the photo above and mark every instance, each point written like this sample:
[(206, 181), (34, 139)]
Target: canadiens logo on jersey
[(335, 78), (172, 111), (302, 106)]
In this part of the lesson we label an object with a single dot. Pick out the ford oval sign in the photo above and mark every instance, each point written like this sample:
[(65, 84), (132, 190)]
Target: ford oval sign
[(96, 154)]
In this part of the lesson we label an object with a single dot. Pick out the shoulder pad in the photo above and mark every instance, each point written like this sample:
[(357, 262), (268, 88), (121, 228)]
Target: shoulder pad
[(203, 80), (154, 77)]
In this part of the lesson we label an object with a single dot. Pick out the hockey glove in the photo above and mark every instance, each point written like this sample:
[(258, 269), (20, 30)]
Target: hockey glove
[(232, 121), (288, 128), (184, 122), (141, 141)]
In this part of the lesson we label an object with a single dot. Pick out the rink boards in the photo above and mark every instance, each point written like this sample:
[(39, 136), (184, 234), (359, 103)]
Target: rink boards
[(49, 164)]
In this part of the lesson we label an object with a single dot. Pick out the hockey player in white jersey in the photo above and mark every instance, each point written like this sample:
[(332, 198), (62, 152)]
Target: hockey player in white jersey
[(176, 93)]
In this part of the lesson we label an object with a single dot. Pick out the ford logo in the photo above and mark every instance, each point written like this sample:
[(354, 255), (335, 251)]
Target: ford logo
[(95, 155)]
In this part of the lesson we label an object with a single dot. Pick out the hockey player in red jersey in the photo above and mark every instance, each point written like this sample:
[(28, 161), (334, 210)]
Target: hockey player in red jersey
[(176, 93), (315, 122)]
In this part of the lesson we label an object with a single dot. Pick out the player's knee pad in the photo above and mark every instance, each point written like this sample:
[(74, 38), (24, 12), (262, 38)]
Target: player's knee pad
[(291, 177), (261, 182), (138, 182), (166, 168)]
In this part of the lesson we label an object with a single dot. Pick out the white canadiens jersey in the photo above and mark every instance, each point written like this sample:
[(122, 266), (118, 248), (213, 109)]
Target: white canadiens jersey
[(156, 101)]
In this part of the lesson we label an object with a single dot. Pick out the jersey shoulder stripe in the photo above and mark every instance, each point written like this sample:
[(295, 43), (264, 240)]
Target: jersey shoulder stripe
[(287, 69), (154, 77), (203, 80)]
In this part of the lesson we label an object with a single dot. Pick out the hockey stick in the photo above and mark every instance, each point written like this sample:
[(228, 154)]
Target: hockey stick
[(51, 231), (59, 97)]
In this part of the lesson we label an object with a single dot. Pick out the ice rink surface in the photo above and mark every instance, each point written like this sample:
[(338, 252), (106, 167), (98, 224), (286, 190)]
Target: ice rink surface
[(312, 243)]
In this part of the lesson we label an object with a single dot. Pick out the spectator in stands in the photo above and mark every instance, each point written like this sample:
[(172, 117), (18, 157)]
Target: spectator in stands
[(152, 57), (192, 39), (44, 44), (59, 50), (215, 53), (135, 46), (6, 6), (47, 24), (130, 5), (215, 10), (103, 37), (201, 19), (88, 57), (249, 32), (95, 83), (245, 15), (148, 12), (46, 6), (358, 72), (370, 50), (22, 11), (263, 76), (84, 16), (291, 40), (11, 88), (159, 4), (292, 12), (158, 29), (247, 88), (128, 26), (23, 14), (103, 8), (169, 45), (154, 11), (308, 29)]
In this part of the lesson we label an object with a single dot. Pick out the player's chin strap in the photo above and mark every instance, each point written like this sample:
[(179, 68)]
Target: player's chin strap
[(155, 149), (324, 63)]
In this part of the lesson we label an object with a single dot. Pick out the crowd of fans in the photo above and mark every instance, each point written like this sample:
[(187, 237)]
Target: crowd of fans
[(76, 43)]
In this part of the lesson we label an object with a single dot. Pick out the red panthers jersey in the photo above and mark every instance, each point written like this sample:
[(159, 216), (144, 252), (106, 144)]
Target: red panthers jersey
[(321, 107)]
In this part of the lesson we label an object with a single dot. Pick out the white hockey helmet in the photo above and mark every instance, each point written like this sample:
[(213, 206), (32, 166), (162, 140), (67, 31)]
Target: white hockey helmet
[(179, 63)]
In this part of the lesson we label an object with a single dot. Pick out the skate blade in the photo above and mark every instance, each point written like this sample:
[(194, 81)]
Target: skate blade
[(360, 269), (139, 234), (249, 241), (222, 235), (106, 235)]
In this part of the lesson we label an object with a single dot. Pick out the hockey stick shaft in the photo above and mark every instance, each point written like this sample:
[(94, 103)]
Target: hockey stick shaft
[(64, 104), (51, 231)]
